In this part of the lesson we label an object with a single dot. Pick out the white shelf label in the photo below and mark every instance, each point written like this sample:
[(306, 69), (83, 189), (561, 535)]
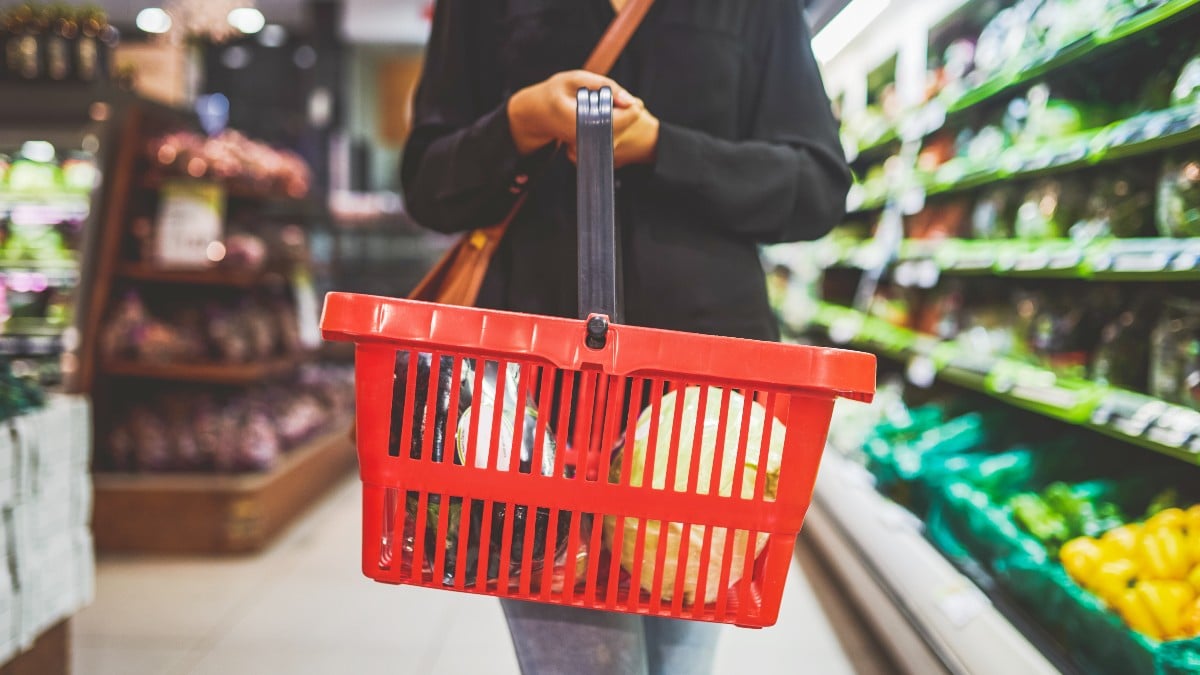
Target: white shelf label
[(191, 218)]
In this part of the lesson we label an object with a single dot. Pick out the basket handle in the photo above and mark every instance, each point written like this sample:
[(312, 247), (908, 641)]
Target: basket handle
[(597, 217)]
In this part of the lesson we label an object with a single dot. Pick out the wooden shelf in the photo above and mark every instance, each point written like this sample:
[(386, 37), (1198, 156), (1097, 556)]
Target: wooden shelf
[(49, 655), (213, 514), (215, 276), (209, 373), (232, 189)]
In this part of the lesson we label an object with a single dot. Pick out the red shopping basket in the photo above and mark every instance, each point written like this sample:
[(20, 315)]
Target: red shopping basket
[(583, 463)]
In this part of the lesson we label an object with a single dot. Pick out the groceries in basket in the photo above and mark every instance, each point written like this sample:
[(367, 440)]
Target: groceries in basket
[(637, 453), (471, 404), (486, 400)]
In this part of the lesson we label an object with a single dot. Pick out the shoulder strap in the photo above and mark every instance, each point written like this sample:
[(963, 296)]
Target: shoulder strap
[(622, 28)]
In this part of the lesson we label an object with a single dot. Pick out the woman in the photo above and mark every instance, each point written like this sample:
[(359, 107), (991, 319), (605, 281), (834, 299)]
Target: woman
[(723, 140)]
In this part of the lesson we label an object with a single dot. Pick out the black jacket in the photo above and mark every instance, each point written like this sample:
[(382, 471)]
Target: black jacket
[(748, 153)]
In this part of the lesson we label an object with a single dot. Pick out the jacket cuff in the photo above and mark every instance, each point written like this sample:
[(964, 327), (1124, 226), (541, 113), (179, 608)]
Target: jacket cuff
[(676, 156)]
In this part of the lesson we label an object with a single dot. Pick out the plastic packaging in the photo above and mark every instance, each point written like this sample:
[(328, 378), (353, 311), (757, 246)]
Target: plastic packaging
[(1175, 354), (1179, 197)]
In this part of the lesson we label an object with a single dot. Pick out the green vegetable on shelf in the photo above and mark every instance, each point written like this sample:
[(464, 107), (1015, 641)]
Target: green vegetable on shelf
[(1168, 498), (1039, 518), (1063, 512)]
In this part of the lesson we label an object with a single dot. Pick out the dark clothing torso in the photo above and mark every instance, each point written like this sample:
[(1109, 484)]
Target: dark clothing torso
[(748, 153)]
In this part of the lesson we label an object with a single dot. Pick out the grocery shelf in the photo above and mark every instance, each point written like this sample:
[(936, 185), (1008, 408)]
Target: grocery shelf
[(1105, 40), (878, 146), (50, 274), (1139, 135), (46, 207), (212, 276), (1128, 416), (235, 190), (208, 373), (209, 513), (930, 616), (1149, 259)]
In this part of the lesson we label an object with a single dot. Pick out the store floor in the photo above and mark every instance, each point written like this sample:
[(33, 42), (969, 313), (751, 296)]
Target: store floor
[(303, 608)]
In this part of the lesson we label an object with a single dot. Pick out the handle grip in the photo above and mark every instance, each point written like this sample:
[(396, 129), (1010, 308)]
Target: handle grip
[(596, 214)]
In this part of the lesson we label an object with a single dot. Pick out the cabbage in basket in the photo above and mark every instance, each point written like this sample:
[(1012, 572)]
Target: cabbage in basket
[(707, 476)]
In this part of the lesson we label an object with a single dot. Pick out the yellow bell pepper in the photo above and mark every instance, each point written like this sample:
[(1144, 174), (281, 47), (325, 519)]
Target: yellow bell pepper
[(1191, 619), (1167, 601), (1192, 523), (1121, 542), (1137, 614), (1080, 557), (1172, 518), (1112, 578), (1191, 517), (1164, 553), (1194, 578)]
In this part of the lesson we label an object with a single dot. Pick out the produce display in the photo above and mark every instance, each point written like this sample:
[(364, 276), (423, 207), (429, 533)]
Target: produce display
[(1105, 560), (196, 431), (470, 445), (1146, 571), (231, 158), (246, 330), (55, 42)]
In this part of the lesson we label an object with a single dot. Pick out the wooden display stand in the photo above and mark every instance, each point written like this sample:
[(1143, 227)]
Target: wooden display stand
[(173, 512), (216, 514), (50, 655)]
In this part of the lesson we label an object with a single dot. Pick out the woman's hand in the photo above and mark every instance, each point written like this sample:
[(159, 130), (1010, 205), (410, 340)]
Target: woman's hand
[(637, 143), (544, 113)]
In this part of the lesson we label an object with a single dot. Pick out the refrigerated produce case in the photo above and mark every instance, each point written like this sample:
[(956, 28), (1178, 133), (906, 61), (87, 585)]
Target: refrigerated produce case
[(1019, 242), (56, 142)]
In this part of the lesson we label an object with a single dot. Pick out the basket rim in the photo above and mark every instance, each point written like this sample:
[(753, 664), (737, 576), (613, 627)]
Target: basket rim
[(631, 351)]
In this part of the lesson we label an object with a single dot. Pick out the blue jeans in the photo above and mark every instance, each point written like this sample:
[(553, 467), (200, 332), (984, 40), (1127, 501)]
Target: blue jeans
[(551, 639)]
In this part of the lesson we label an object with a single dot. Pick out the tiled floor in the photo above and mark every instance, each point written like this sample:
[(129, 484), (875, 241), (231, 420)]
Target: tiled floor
[(303, 608)]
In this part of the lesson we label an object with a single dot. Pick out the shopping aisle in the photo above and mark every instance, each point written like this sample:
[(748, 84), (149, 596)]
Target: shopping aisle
[(303, 608)]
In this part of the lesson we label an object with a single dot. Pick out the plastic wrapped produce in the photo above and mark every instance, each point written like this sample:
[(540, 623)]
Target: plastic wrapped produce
[(994, 213), (711, 478), (1121, 204), (152, 440), (258, 446), (1179, 197), (484, 404), (1066, 329), (1187, 87), (1049, 209), (1175, 354), (1123, 353), (228, 336)]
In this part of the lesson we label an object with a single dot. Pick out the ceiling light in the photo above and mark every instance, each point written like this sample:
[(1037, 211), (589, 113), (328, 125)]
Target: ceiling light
[(247, 19), (153, 20), (845, 26)]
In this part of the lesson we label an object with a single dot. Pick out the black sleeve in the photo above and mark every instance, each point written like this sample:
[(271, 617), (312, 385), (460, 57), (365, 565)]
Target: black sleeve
[(788, 180), (460, 159)]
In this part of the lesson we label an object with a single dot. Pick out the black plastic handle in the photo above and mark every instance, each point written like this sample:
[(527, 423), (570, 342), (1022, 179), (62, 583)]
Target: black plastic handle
[(597, 218)]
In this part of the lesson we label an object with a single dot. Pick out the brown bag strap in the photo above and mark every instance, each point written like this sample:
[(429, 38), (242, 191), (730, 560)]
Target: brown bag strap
[(619, 32)]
